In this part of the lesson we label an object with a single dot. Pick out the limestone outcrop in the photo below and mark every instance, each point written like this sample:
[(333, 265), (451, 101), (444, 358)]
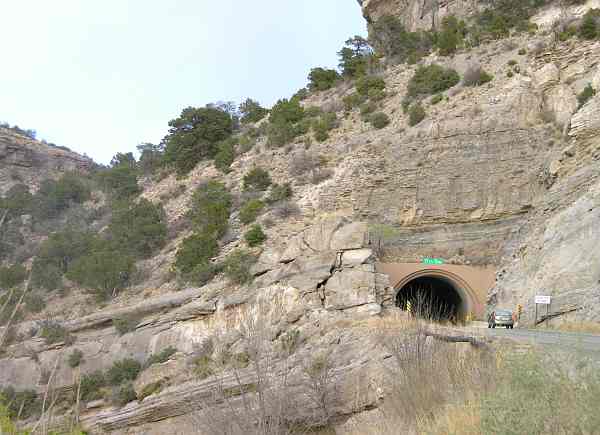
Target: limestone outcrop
[(503, 175), (27, 161), (418, 14)]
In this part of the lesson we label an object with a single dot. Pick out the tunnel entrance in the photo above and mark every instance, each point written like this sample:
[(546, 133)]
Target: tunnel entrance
[(432, 297)]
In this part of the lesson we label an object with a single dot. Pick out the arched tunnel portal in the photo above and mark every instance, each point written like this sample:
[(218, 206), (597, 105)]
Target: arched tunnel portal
[(436, 296), (445, 292)]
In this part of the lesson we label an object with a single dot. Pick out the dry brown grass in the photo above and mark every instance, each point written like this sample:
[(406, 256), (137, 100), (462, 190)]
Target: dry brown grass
[(455, 419), (398, 320), (581, 327)]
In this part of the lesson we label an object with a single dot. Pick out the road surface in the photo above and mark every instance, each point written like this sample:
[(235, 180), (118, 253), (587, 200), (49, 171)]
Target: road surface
[(568, 341)]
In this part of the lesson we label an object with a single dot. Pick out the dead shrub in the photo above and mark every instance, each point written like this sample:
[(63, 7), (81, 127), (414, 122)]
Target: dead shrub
[(285, 209), (426, 373), (320, 175), (257, 392), (302, 163), (476, 76)]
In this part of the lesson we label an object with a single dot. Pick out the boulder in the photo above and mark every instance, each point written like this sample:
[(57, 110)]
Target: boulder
[(561, 102), (350, 288), (350, 236), (547, 76), (356, 257), (585, 124)]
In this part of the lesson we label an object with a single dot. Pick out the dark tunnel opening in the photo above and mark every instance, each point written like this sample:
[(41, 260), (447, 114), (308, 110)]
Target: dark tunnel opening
[(432, 298)]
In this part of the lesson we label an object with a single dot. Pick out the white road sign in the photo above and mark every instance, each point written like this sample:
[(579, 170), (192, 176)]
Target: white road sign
[(543, 300)]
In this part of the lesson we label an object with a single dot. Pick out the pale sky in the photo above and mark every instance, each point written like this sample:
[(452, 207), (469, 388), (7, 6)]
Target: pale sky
[(101, 76)]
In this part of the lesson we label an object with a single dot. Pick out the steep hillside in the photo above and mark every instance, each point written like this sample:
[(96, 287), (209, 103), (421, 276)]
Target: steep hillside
[(241, 257), (27, 161)]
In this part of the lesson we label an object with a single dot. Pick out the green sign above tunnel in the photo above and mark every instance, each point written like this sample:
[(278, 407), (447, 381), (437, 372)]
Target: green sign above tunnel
[(428, 260)]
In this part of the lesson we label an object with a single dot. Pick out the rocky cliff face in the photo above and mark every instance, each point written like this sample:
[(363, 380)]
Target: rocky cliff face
[(27, 161), (418, 14), (504, 175)]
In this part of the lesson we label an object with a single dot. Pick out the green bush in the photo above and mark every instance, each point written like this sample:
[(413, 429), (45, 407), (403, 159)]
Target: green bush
[(151, 158), (123, 325), (246, 143), (150, 389), (255, 236), (34, 302), (568, 33), (53, 332), (280, 133), (353, 100), (416, 114), (379, 120), (585, 95), (436, 99), (280, 192), (367, 109), (257, 179), (225, 155), (23, 404), (312, 112), (9, 301), (321, 79), (252, 111), (12, 276), (138, 229), (324, 125), (60, 250), (122, 371), (203, 367), (589, 25), (519, 399), (91, 386), (496, 22), (123, 395), (17, 201), (104, 271), (75, 358), (251, 210), (54, 197), (391, 38), (195, 250), (120, 181), (451, 35), (161, 357), (237, 266), (45, 275), (355, 57), (369, 83), (476, 76), (286, 111), (432, 79), (240, 360), (10, 239), (203, 273), (194, 136), (210, 208)]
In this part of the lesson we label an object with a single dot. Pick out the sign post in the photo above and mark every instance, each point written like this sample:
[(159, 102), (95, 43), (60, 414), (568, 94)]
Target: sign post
[(434, 261), (542, 300)]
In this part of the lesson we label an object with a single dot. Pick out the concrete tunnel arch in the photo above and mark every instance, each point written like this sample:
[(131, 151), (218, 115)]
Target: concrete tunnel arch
[(442, 294), (470, 283)]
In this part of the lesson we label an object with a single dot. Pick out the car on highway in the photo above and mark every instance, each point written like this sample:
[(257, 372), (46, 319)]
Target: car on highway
[(500, 317)]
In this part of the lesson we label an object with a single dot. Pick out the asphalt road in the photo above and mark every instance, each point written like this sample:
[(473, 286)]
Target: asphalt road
[(568, 341)]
